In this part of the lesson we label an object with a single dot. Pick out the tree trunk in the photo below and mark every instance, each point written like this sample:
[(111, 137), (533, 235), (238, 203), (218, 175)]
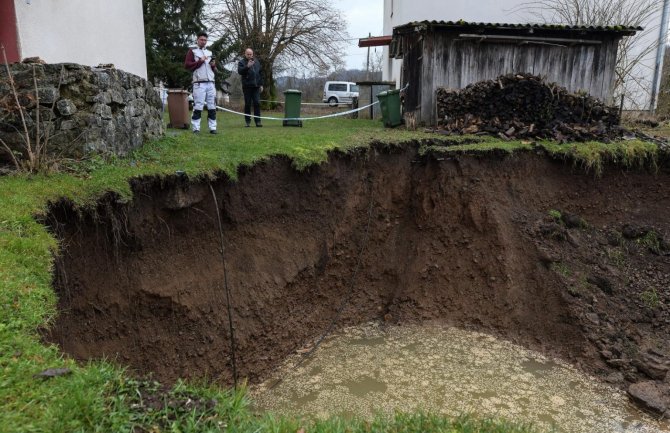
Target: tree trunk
[(269, 87)]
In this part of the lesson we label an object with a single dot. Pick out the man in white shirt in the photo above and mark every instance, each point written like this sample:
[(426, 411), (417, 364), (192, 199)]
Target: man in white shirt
[(199, 60)]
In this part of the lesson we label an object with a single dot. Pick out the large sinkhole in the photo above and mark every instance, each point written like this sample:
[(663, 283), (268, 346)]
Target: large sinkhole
[(386, 236)]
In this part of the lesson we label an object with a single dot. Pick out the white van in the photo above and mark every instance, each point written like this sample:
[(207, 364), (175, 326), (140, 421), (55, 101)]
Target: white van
[(339, 92)]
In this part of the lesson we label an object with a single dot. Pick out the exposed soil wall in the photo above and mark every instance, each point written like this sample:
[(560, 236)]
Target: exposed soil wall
[(467, 241)]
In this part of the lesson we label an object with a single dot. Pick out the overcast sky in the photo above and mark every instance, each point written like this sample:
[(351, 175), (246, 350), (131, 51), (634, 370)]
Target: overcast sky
[(363, 17)]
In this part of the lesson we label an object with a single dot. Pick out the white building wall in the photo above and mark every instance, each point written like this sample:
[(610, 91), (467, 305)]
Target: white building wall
[(88, 32), (399, 12)]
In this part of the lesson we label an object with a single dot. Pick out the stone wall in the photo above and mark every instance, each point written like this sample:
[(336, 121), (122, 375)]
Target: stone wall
[(95, 110)]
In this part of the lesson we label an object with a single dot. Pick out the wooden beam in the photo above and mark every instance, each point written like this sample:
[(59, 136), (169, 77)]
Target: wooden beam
[(374, 41), (529, 39)]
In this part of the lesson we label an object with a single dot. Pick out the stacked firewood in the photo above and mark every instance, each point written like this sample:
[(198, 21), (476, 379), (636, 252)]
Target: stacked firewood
[(524, 106)]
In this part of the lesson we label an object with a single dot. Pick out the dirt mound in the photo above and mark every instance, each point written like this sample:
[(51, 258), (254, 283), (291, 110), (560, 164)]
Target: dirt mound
[(526, 106), (482, 243)]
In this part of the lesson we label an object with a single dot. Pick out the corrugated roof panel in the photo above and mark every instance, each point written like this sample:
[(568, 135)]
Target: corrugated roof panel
[(567, 27)]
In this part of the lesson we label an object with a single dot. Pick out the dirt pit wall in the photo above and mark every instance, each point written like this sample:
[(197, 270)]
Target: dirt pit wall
[(384, 234)]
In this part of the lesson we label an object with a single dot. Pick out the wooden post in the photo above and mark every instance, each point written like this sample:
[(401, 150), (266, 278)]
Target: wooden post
[(367, 64)]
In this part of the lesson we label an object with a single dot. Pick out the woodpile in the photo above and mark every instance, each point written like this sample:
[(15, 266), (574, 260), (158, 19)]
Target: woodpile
[(524, 106)]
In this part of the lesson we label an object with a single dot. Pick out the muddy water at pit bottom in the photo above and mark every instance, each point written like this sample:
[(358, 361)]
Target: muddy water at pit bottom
[(366, 370)]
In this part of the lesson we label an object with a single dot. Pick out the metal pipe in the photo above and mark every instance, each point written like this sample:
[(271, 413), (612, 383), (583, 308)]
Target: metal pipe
[(660, 53)]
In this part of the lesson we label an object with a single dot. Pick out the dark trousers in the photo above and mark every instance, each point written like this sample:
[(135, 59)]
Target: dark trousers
[(252, 95)]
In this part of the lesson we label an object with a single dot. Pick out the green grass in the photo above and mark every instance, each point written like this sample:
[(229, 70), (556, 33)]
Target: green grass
[(616, 256), (562, 269), (555, 214), (99, 396), (593, 156), (651, 241), (650, 298), (590, 156)]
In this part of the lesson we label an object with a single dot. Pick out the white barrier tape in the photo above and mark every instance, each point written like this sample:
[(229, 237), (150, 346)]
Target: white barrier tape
[(323, 104), (298, 118)]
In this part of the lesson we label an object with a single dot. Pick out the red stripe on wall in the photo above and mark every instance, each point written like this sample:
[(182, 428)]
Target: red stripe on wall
[(8, 34)]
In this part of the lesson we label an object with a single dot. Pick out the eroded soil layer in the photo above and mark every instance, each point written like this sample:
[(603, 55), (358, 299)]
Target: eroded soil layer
[(468, 241)]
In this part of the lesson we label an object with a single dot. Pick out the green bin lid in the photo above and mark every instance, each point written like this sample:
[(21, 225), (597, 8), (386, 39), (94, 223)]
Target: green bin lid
[(292, 91), (388, 92)]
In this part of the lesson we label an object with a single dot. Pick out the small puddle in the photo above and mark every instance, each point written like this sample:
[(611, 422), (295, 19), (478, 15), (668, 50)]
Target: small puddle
[(365, 370)]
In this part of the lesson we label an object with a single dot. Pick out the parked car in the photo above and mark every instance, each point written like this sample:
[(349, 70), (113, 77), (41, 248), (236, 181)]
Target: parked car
[(339, 92)]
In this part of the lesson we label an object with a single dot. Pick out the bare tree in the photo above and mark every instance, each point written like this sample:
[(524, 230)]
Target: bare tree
[(630, 75), (282, 33), (376, 61)]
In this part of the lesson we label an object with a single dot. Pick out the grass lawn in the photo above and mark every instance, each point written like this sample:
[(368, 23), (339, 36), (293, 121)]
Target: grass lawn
[(99, 396)]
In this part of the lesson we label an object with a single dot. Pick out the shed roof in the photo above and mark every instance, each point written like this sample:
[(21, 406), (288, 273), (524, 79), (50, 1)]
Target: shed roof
[(616, 31)]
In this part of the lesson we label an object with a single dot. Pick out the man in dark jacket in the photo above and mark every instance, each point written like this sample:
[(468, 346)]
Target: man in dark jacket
[(249, 69)]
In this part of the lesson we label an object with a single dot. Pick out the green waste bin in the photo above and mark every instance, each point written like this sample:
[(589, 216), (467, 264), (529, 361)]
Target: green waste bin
[(389, 102), (292, 107)]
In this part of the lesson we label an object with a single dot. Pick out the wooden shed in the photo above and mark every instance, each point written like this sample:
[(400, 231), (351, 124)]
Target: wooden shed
[(455, 54)]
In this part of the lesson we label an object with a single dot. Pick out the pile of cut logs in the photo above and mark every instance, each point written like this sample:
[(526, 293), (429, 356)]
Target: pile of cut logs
[(524, 106)]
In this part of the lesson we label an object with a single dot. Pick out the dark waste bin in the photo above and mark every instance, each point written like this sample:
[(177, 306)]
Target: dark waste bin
[(177, 100), (292, 99), (389, 103)]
